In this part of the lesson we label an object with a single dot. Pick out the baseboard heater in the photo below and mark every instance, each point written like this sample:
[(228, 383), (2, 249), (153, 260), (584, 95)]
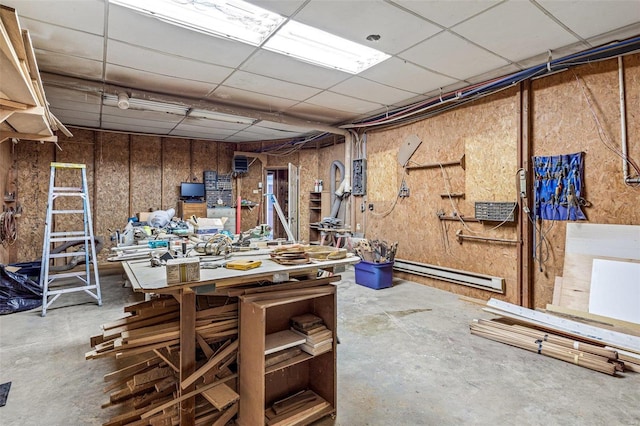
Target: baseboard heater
[(471, 279)]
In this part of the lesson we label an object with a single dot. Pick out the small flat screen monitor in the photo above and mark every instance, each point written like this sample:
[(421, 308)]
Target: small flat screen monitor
[(191, 191)]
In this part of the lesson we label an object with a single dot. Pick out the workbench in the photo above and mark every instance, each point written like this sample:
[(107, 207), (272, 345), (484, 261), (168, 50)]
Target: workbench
[(147, 279)]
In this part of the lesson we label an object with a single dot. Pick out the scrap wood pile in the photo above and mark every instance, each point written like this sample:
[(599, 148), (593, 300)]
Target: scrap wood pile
[(296, 254), (376, 251), (604, 350), (147, 389)]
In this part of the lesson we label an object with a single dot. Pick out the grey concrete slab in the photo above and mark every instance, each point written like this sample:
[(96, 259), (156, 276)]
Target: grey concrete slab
[(405, 357)]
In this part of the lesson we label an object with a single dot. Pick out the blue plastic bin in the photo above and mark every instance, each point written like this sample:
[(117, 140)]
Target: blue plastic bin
[(374, 275)]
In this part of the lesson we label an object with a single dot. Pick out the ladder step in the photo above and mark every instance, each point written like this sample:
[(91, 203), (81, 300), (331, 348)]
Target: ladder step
[(68, 275), (68, 239), (68, 254), (67, 211), (66, 233), (59, 165), (68, 194), (66, 189), (72, 289)]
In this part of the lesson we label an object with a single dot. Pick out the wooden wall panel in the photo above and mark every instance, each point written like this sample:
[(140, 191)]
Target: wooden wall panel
[(146, 173), (176, 168), (34, 163), (7, 253), (563, 124), (204, 156), (112, 184), (414, 223)]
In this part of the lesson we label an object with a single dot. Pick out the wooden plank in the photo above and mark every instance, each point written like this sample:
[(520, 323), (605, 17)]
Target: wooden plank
[(186, 396), (8, 104), (221, 396), (187, 353), (191, 379), (132, 369), (152, 376), (557, 291), (601, 321), (226, 416), (172, 360), (613, 338), (206, 349), (280, 340)]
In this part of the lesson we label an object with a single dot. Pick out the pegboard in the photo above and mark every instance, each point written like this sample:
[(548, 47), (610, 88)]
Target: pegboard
[(495, 211)]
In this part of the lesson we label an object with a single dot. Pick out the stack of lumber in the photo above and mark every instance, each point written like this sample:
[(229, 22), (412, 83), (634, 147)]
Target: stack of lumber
[(318, 338), (148, 387), (376, 251), (296, 407), (579, 343), (290, 255)]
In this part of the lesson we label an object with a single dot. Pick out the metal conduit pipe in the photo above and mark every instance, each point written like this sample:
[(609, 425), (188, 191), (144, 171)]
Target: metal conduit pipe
[(335, 204), (628, 180)]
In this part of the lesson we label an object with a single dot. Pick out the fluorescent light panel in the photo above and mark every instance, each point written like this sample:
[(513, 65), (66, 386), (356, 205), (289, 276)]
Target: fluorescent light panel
[(144, 105), (234, 19), (319, 47), (242, 21), (218, 116)]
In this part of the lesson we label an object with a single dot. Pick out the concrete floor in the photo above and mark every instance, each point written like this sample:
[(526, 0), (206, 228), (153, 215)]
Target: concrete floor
[(406, 357)]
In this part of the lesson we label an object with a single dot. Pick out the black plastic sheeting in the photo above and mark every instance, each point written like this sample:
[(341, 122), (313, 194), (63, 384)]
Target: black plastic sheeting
[(18, 292)]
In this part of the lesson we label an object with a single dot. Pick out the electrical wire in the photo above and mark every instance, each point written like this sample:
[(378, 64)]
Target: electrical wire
[(8, 227), (602, 134)]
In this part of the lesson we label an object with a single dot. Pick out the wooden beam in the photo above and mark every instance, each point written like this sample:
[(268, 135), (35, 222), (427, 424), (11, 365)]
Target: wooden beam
[(6, 103), (27, 136), (187, 355), (525, 267)]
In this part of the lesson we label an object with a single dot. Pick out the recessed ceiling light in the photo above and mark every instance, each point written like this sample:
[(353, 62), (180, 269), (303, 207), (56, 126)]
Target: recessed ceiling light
[(322, 48), (218, 116), (234, 19)]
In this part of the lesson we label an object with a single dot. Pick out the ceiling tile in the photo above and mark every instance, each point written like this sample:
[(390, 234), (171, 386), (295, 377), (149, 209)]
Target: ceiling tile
[(200, 124), (65, 115), (80, 122), (355, 20), (406, 76), (216, 135), (70, 106), (134, 28), (504, 31), (63, 40), (320, 114), (269, 86), (343, 103), (283, 7), (135, 127), (182, 127), (142, 80), (238, 97), (592, 18), (282, 126), (282, 67), (168, 65), (368, 90), (85, 99), (453, 56), (447, 13), (58, 63), (82, 15), (115, 114)]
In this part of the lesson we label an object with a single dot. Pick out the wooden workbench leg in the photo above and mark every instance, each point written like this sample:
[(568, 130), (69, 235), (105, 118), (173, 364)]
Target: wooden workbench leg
[(187, 352)]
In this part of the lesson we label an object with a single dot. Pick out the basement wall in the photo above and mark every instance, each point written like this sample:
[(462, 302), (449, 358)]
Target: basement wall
[(486, 132)]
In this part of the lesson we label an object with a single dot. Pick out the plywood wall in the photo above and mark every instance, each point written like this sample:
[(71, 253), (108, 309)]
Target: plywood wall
[(7, 253), (486, 132), (126, 174), (564, 123)]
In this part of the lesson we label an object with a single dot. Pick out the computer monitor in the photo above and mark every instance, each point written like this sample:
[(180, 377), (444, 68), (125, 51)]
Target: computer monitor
[(191, 191)]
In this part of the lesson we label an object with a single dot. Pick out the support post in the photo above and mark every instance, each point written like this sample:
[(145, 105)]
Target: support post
[(525, 227), (187, 353)]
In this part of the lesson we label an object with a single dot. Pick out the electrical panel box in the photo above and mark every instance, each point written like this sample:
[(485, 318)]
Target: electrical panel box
[(218, 189), (359, 177), (495, 211)]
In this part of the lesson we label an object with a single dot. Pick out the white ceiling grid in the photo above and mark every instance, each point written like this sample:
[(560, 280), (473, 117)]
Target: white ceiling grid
[(87, 48)]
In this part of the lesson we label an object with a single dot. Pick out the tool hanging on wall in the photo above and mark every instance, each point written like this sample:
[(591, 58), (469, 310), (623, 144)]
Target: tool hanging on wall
[(460, 163)]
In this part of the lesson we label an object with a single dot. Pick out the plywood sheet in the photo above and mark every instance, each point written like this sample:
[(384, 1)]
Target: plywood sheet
[(615, 290), (586, 242), (146, 173), (176, 168)]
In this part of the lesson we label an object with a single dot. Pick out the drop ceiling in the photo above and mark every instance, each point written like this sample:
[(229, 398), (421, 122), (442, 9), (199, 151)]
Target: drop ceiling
[(87, 49)]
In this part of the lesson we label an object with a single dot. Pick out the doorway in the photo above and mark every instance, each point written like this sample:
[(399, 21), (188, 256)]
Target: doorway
[(283, 184)]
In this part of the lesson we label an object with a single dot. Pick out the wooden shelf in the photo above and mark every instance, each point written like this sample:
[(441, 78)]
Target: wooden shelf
[(260, 387)]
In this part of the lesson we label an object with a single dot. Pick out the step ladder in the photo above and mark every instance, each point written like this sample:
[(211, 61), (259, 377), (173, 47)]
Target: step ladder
[(82, 232)]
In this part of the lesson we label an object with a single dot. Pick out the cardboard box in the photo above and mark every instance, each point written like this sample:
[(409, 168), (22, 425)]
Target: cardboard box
[(182, 270), (143, 216), (208, 225)]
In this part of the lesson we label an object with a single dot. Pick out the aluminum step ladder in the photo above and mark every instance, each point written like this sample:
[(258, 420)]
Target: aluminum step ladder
[(51, 239)]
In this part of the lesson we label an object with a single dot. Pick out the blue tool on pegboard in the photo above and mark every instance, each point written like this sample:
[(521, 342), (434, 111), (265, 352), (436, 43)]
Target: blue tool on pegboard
[(559, 190)]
